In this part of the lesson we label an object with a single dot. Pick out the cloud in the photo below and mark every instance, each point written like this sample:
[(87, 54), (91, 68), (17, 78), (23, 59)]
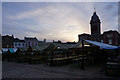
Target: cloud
[(59, 21)]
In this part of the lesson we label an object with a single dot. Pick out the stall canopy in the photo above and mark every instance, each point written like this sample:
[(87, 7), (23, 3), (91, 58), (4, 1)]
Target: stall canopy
[(102, 45), (4, 50), (12, 50)]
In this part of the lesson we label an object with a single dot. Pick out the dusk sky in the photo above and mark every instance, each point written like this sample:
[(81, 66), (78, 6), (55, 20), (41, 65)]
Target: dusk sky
[(56, 20)]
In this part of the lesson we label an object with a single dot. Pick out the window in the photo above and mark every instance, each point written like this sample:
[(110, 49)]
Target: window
[(110, 41), (23, 44), (15, 44), (28, 43), (32, 43), (36, 43), (101, 41), (19, 44)]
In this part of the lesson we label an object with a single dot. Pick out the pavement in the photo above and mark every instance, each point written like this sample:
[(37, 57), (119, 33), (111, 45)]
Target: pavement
[(24, 70)]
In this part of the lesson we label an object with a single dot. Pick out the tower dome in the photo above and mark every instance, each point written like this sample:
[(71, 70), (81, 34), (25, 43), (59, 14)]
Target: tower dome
[(94, 16)]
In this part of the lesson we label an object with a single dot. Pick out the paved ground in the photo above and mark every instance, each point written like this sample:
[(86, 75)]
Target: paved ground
[(24, 70)]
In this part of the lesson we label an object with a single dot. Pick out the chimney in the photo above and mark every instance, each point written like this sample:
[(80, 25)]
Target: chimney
[(12, 36), (44, 40)]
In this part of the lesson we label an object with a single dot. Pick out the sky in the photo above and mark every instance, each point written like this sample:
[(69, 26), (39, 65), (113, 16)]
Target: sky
[(56, 20)]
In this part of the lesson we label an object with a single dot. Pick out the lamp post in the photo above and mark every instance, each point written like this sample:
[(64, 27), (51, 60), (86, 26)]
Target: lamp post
[(52, 54), (82, 63), (51, 61)]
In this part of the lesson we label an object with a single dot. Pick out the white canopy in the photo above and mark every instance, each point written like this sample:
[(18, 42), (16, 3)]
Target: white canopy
[(4, 49), (15, 49), (102, 45)]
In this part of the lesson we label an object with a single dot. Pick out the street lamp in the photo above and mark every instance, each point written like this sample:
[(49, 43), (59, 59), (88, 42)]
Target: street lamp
[(82, 63)]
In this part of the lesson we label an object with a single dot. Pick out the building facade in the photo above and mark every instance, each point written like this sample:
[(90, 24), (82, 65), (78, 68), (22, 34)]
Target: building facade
[(109, 37), (11, 42), (33, 42), (84, 37), (19, 43), (8, 41)]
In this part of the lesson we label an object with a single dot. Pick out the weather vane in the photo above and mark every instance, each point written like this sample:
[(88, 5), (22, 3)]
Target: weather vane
[(94, 8)]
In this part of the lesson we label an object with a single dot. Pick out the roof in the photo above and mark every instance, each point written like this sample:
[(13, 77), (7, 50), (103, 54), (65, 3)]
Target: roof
[(41, 46), (8, 36), (23, 49), (29, 38), (18, 40), (70, 42), (111, 31), (63, 46), (84, 34), (78, 45), (102, 45), (58, 46), (41, 42)]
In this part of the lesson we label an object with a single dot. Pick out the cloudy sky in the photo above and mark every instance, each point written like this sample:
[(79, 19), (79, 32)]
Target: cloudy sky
[(56, 20)]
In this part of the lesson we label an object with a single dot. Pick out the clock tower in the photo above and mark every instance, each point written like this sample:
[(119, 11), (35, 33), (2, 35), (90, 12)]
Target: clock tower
[(95, 27)]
